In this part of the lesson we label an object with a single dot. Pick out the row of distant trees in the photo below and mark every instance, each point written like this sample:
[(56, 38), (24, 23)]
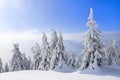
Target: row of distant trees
[(48, 56), (52, 55)]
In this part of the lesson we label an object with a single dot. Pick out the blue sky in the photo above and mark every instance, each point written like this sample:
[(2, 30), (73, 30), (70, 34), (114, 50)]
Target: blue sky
[(69, 16)]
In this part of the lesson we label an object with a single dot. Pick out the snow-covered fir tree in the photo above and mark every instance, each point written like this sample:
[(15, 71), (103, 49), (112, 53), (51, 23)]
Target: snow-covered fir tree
[(54, 50), (29, 63), (61, 51), (93, 47), (76, 63), (26, 62), (37, 58), (73, 61), (45, 53), (70, 59), (6, 68), (112, 54), (1, 66), (117, 52), (18, 61)]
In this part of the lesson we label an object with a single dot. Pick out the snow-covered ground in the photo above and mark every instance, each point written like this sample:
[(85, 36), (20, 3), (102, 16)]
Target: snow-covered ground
[(101, 74)]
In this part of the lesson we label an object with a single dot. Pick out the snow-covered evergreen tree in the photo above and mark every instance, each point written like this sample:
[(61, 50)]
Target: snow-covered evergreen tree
[(6, 68), (57, 48), (18, 61), (92, 45), (29, 63), (26, 62), (70, 60), (45, 53), (54, 50), (73, 61), (1, 66), (112, 54), (61, 51), (37, 58), (116, 52), (76, 63)]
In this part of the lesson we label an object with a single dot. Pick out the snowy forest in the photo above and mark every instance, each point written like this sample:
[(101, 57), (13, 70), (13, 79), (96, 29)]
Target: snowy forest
[(52, 54)]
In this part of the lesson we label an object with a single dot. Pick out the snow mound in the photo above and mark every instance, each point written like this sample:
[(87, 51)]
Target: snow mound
[(104, 71), (99, 74)]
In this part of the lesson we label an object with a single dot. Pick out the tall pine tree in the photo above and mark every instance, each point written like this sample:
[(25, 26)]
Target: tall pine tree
[(61, 51), (18, 61), (45, 52), (37, 58), (54, 50), (92, 45)]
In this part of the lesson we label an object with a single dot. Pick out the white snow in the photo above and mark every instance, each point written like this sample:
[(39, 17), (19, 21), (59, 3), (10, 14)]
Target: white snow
[(100, 74)]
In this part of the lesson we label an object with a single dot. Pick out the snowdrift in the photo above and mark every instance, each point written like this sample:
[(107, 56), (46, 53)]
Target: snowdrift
[(99, 74)]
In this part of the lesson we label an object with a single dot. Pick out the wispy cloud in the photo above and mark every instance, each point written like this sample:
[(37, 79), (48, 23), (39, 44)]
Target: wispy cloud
[(35, 35), (17, 4), (12, 13), (20, 5), (13, 36)]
